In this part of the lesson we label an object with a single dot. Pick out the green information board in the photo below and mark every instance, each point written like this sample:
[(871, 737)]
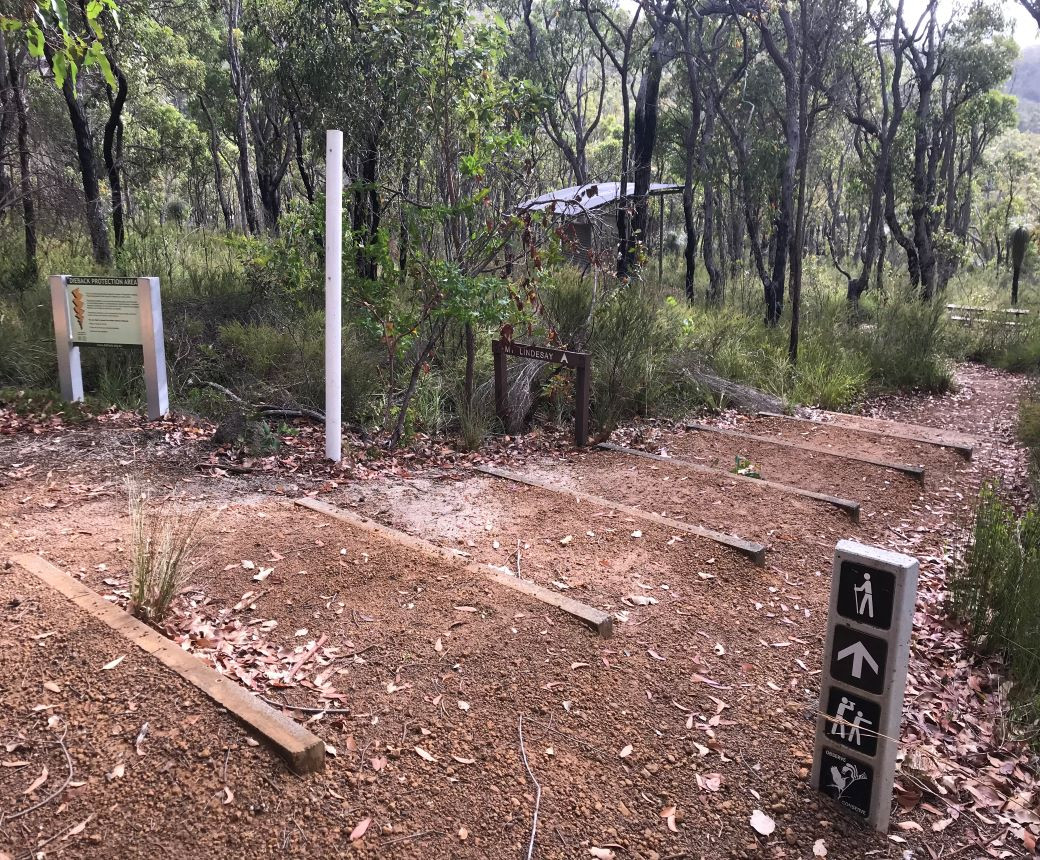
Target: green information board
[(91, 311), (104, 310)]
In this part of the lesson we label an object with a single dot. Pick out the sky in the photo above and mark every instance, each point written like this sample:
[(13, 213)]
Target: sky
[(1026, 31)]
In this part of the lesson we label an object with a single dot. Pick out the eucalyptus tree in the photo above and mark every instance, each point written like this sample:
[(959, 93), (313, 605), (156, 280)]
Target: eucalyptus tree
[(570, 71)]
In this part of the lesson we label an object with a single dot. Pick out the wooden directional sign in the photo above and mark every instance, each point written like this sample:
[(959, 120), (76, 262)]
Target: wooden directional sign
[(109, 311), (861, 695), (565, 358)]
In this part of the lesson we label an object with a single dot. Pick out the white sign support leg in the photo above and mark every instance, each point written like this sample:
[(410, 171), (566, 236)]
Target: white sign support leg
[(333, 293), (154, 349), (70, 376)]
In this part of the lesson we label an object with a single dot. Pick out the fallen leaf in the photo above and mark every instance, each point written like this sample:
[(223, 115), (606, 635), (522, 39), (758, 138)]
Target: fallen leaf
[(626, 751), (117, 771), (437, 646), (668, 813), (462, 760), (378, 763), (762, 823), (248, 565), (40, 780), (229, 795), (601, 853), (941, 825), (114, 663), (50, 685), (79, 828), (141, 735), (425, 756), (463, 834), (361, 828), (909, 825)]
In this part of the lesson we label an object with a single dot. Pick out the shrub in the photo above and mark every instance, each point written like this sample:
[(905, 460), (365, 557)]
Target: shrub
[(997, 587), (902, 345), (164, 545), (629, 345)]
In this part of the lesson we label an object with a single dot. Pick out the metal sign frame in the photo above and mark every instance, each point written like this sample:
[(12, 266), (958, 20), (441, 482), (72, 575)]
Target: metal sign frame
[(865, 657), (70, 374), (579, 361)]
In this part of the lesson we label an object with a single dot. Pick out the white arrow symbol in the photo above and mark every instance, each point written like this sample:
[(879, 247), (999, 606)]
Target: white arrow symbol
[(858, 652)]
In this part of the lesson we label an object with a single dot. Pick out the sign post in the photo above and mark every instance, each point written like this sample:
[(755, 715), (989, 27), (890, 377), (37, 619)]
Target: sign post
[(111, 312), (864, 676), (577, 360)]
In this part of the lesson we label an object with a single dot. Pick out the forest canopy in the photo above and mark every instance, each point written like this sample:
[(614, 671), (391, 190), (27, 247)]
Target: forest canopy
[(822, 135)]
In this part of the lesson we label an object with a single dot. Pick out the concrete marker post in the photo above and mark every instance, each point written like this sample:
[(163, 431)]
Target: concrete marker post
[(873, 592)]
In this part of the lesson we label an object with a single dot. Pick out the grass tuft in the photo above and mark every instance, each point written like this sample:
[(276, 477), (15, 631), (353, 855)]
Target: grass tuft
[(165, 544)]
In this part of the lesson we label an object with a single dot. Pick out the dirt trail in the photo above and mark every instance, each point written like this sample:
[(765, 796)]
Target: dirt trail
[(711, 678)]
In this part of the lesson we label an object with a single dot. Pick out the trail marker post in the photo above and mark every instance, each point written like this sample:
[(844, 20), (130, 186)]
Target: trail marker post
[(109, 312), (333, 294), (579, 361), (864, 677)]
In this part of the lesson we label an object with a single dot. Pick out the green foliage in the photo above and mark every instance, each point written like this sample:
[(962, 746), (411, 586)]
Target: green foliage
[(629, 345), (902, 343), (743, 466), (69, 49), (997, 588)]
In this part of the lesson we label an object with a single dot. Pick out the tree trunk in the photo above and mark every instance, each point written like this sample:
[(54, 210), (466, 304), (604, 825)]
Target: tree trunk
[(218, 170), (645, 134), (96, 225), (113, 133), (17, 81), (240, 85)]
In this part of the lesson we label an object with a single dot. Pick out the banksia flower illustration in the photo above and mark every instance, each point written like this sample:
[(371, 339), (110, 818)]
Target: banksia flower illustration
[(77, 306)]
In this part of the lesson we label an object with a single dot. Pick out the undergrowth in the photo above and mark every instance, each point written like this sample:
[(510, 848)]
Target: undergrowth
[(996, 590)]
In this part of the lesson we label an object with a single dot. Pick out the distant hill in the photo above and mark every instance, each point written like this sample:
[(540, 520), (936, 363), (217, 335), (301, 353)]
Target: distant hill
[(1025, 83)]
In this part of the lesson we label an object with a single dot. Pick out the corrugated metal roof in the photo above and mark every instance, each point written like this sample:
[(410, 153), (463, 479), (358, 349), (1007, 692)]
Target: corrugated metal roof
[(582, 199)]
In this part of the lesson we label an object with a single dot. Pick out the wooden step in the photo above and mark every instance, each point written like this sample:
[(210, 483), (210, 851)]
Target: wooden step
[(959, 442), (915, 472), (755, 551), (848, 505)]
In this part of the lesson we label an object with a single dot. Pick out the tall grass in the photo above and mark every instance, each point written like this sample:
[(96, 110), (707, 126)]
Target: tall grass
[(997, 588), (164, 546)]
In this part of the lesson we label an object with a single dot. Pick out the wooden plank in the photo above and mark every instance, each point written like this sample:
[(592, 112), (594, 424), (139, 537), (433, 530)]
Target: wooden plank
[(304, 751), (848, 505), (959, 442), (601, 621), (916, 472), (755, 551)]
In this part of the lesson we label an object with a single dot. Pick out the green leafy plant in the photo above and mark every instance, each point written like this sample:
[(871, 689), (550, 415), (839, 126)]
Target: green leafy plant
[(996, 589), (743, 466)]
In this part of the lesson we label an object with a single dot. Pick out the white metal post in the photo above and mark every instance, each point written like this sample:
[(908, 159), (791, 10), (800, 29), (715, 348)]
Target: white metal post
[(333, 292), (150, 303), (70, 376)]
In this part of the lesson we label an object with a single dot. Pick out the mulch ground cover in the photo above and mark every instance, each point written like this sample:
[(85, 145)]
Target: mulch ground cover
[(420, 676)]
